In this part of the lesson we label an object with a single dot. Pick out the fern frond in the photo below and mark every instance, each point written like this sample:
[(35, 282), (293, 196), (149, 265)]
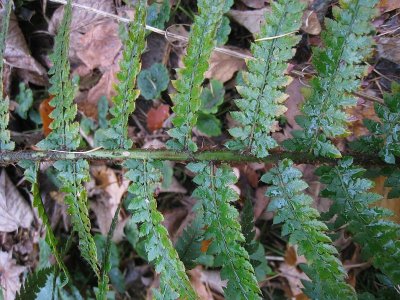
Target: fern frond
[(202, 40), (30, 174), (65, 136), (292, 207), (347, 42), (116, 137), (5, 143), (385, 135), (34, 283), (223, 228), (145, 177), (262, 93), (379, 238)]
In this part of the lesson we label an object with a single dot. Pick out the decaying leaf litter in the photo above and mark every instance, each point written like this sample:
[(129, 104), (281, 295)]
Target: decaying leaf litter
[(94, 55)]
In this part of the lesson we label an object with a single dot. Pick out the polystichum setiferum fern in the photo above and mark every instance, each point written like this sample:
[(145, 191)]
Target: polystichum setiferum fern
[(262, 93), (223, 228), (347, 42), (216, 231), (353, 203), (292, 207), (190, 78)]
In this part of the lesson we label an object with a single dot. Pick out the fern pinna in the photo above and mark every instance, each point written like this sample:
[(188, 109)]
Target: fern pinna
[(385, 135), (262, 93), (347, 42), (223, 228), (186, 100), (292, 207), (353, 203), (65, 136), (5, 143)]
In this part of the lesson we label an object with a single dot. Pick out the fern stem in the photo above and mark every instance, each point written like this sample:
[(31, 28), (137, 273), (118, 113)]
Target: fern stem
[(11, 157)]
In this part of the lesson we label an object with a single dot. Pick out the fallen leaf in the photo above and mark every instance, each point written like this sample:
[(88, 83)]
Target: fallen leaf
[(199, 286), (107, 203), (223, 67), (388, 5), (250, 19), (393, 203), (388, 48), (311, 23), (9, 275), (255, 3), (17, 54), (261, 204), (14, 211), (44, 110), (157, 116), (205, 244)]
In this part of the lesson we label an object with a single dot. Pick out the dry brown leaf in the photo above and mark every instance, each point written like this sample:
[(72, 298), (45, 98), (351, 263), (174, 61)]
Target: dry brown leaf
[(311, 23), (106, 205), (14, 211), (392, 204), (223, 66), (199, 286), (249, 19), (213, 279), (17, 55), (157, 116), (255, 3), (388, 5), (388, 48), (9, 275)]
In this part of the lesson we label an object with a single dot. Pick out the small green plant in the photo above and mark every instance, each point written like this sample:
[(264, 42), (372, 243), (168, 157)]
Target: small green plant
[(217, 237)]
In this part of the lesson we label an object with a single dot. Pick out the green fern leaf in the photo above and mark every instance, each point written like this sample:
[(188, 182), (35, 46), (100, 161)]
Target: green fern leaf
[(187, 101), (223, 229), (292, 207), (379, 238), (347, 43), (262, 93), (145, 177), (385, 135), (116, 137), (5, 143), (34, 283)]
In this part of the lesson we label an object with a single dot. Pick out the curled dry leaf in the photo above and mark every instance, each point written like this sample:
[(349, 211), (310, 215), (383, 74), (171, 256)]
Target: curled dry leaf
[(200, 287), (223, 66), (388, 48), (14, 211), (17, 55), (388, 5), (255, 3), (157, 116), (107, 203), (249, 19), (311, 23), (9, 275)]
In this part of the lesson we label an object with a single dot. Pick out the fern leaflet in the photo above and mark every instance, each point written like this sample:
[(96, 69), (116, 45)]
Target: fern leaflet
[(5, 143), (262, 94), (347, 43), (190, 78), (300, 221), (379, 238), (145, 177), (223, 228), (385, 135), (34, 283), (116, 137), (65, 136)]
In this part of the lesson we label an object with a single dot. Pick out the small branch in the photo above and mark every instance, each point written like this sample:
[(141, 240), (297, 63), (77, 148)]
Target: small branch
[(11, 157)]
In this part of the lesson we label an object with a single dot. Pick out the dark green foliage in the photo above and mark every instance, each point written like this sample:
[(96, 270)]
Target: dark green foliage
[(385, 135), (102, 112), (116, 137), (347, 42), (223, 228), (158, 14), (292, 207), (209, 124), (5, 143), (223, 31), (393, 181), (379, 238), (264, 82), (145, 177), (34, 283), (190, 78), (253, 247), (152, 81)]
